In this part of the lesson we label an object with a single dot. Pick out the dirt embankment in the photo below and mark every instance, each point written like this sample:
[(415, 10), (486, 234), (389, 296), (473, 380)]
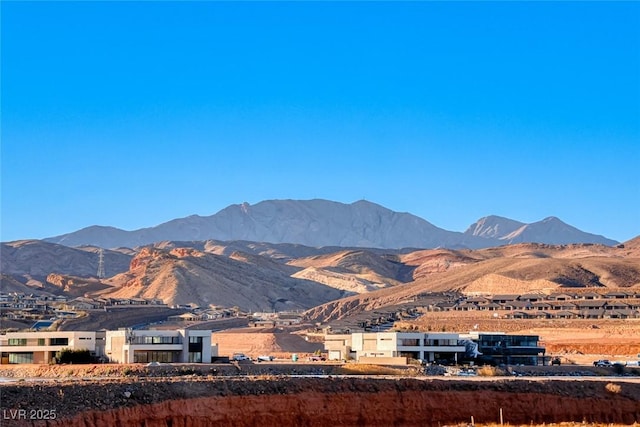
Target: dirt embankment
[(286, 402)]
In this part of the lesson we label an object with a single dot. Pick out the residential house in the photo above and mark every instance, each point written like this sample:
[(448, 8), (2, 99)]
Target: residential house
[(561, 297), (394, 347), (165, 346), (41, 347), (503, 299)]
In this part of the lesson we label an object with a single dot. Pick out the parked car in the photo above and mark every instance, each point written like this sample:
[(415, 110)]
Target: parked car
[(238, 357), (602, 362), (556, 361), (264, 358), (317, 358)]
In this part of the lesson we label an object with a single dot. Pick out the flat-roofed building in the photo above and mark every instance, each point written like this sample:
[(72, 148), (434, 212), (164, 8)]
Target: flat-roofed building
[(501, 348), (171, 346), (41, 347), (395, 347)]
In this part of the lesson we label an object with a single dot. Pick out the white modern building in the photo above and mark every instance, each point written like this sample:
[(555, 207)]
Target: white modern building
[(41, 347), (171, 346), (394, 347)]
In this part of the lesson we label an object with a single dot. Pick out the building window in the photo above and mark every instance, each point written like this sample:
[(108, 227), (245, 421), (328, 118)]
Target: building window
[(141, 356), (41, 341), (59, 341), (195, 357), (195, 346), (17, 341), (156, 340), (20, 357), (410, 342)]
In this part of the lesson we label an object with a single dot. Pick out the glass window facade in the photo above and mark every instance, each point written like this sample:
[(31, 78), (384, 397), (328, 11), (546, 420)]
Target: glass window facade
[(59, 341), (195, 349), (142, 356), (156, 340), (20, 357)]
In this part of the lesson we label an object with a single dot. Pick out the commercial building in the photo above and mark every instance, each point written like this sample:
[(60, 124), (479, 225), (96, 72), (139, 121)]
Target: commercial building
[(143, 346), (41, 347)]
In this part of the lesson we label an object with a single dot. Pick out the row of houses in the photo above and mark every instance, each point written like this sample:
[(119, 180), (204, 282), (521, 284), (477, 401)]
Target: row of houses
[(18, 300), (275, 319), (17, 305), (559, 296), (619, 305), (196, 346)]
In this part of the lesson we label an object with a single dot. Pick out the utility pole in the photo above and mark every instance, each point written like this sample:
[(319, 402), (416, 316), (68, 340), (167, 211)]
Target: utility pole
[(101, 274)]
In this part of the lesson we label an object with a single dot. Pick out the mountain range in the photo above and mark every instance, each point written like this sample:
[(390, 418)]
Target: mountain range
[(331, 282), (319, 223), (331, 258)]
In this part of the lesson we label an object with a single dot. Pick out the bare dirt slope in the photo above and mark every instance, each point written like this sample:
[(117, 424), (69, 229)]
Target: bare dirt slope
[(320, 402), (255, 342)]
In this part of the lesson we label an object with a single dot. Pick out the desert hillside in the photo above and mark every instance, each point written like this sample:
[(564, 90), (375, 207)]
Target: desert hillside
[(514, 269), (188, 276), (332, 282)]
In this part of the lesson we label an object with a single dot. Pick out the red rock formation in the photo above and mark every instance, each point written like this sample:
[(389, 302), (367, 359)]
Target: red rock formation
[(370, 409), (316, 402)]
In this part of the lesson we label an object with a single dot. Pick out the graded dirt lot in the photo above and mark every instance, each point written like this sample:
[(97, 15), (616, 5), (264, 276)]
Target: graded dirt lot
[(255, 342)]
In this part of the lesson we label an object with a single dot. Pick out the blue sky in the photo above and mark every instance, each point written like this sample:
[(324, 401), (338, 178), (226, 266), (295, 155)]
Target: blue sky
[(131, 114)]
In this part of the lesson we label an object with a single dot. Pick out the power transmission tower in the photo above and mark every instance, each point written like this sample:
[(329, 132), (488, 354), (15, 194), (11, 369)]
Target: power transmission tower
[(101, 274)]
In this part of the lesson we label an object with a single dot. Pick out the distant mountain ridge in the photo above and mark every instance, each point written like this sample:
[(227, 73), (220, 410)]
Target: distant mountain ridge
[(319, 223), (550, 230)]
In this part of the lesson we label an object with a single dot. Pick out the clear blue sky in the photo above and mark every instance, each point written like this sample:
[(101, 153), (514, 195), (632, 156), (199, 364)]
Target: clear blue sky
[(132, 114)]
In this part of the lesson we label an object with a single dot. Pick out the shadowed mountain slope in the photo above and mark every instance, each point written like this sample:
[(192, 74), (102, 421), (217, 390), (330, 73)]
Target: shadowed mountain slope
[(318, 223)]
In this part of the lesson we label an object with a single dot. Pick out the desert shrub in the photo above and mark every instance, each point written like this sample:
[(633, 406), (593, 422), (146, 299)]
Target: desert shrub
[(613, 388), (490, 371), (67, 355), (364, 369)]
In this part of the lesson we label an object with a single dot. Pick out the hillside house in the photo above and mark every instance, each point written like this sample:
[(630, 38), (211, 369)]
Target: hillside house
[(144, 346), (561, 297), (41, 347), (393, 347)]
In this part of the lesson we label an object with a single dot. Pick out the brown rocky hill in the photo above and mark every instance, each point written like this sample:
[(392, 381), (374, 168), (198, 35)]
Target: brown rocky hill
[(189, 276), (76, 286), (31, 261), (356, 271), (263, 276), (513, 269)]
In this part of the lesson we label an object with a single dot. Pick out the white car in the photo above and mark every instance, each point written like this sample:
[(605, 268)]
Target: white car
[(265, 358), (240, 357)]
